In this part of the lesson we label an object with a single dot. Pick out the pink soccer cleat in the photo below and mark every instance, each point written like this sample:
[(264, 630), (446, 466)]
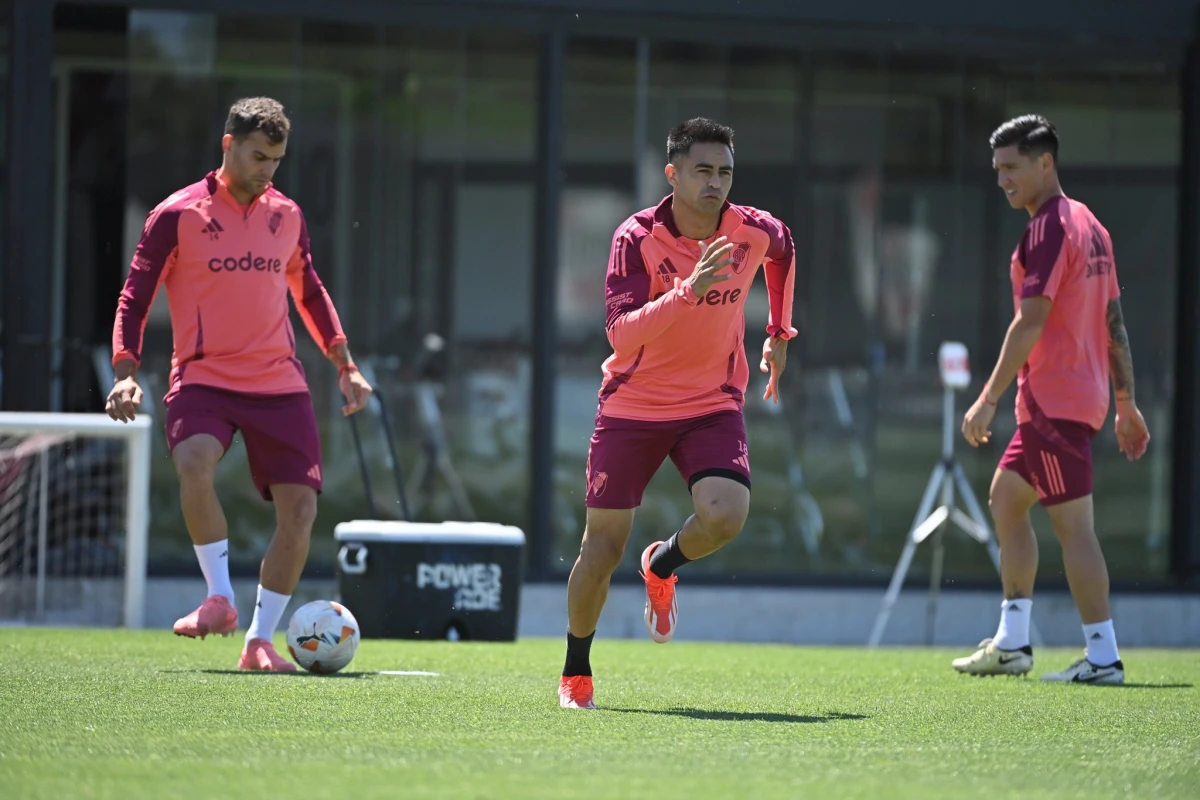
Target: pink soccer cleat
[(215, 615), (662, 610), (576, 692), (260, 655)]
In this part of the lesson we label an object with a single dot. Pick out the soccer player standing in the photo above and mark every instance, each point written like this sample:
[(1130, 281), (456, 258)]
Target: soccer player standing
[(228, 250), (1067, 338), (678, 276)]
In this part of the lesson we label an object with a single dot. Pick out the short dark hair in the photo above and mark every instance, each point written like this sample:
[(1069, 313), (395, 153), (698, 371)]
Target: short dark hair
[(697, 131), (252, 114), (1031, 133)]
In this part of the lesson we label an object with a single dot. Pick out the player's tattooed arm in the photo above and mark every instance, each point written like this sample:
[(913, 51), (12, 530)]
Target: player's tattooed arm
[(1120, 358), (1132, 434)]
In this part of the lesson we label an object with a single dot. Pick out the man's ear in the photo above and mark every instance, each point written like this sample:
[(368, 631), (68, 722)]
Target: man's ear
[(670, 172)]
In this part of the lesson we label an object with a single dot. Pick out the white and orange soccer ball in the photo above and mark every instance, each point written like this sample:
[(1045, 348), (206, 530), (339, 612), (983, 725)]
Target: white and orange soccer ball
[(323, 636)]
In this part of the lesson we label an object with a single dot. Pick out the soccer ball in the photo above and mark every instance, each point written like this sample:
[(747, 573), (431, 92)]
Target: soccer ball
[(322, 636)]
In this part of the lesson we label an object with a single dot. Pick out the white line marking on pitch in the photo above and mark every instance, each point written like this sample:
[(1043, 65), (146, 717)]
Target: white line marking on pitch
[(406, 672)]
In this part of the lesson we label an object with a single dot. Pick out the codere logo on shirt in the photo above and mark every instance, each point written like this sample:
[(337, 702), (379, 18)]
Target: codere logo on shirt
[(245, 264), (714, 297)]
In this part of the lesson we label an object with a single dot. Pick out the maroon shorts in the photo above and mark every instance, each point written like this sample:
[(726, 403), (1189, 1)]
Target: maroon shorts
[(280, 431), (1054, 456), (625, 454)]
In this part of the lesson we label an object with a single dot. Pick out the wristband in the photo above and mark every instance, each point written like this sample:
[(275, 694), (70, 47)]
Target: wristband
[(342, 370), (983, 396)]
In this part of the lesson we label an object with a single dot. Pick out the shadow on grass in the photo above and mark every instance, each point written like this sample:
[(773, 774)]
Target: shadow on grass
[(1145, 686), (740, 716), (248, 672)]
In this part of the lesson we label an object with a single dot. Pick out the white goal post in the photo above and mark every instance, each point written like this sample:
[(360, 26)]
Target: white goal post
[(43, 447)]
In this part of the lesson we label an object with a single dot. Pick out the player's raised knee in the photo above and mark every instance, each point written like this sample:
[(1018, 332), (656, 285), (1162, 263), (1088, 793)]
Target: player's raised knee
[(196, 459), (722, 521)]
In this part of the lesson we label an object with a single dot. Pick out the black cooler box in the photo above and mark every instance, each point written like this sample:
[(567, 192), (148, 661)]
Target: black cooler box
[(447, 580)]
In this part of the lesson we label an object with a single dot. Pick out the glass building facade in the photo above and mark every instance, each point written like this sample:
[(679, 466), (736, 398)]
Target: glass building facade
[(462, 175)]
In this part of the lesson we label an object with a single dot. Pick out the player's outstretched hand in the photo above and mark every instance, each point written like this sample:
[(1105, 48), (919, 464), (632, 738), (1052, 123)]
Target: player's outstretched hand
[(774, 360), (123, 400), (1132, 434), (713, 258), (356, 391), (977, 422)]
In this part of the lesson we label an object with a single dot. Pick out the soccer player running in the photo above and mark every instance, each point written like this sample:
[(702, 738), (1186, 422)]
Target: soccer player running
[(1067, 338), (228, 250), (678, 276)]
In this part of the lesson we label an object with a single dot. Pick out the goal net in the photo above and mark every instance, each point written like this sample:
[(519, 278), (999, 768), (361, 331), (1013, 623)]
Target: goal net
[(74, 508)]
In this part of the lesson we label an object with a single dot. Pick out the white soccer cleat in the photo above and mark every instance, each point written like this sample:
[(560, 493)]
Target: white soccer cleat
[(991, 660), (1084, 671)]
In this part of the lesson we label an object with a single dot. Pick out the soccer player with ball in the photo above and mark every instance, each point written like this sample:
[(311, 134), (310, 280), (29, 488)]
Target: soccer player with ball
[(228, 250)]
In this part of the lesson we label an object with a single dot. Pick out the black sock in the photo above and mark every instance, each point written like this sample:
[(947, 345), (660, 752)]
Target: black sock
[(668, 558), (579, 649)]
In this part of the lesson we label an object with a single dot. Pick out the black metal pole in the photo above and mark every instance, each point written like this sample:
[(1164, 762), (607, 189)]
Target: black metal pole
[(386, 418), (366, 473), (25, 279), (551, 70), (1185, 510)]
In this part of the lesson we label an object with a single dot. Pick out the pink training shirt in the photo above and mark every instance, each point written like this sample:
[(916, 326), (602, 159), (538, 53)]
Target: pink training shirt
[(1067, 256), (675, 355), (227, 269)]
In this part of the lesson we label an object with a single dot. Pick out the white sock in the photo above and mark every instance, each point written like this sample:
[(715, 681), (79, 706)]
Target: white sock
[(1013, 633), (1101, 643), (214, 563), (267, 613)]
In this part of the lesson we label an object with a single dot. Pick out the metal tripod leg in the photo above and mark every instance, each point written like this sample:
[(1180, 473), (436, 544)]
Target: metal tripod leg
[(930, 522), (921, 528), (939, 557)]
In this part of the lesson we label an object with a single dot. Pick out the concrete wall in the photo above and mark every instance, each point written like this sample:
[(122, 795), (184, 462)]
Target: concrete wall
[(788, 616), (846, 616)]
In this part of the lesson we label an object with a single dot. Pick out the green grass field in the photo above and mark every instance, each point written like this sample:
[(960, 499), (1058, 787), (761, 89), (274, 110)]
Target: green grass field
[(109, 714)]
